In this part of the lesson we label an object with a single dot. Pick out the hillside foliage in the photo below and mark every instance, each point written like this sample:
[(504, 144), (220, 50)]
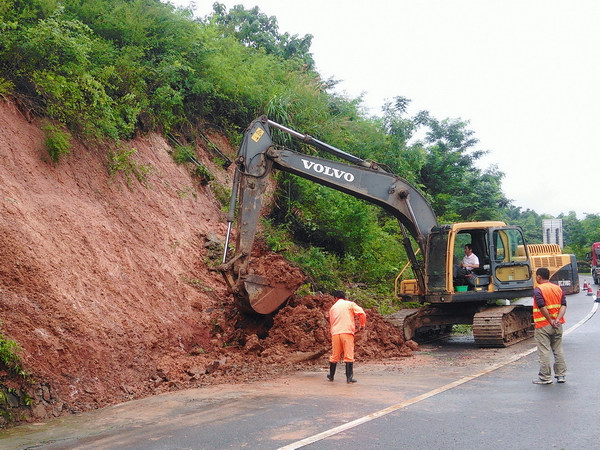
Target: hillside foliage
[(109, 69)]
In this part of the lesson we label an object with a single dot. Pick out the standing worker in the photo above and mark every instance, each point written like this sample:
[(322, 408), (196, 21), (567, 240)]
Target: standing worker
[(342, 320), (549, 307)]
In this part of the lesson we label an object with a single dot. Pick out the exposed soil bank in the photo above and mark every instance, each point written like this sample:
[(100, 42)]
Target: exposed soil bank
[(108, 284)]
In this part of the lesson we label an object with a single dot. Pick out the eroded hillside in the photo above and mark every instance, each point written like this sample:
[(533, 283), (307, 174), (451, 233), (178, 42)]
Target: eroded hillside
[(109, 287)]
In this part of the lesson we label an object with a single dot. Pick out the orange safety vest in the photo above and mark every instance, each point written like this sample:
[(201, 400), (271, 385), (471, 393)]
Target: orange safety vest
[(552, 295)]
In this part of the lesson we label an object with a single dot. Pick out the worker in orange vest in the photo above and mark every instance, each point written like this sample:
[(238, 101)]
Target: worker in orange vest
[(342, 321), (549, 307)]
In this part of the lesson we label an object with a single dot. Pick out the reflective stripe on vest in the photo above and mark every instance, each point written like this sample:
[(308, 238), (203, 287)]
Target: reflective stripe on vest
[(552, 295)]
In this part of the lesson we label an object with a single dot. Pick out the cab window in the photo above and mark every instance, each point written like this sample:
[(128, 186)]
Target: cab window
[(509, 246)]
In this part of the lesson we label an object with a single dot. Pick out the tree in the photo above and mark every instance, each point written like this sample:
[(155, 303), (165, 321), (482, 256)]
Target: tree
[(403, 157), (255, 29), (529, 220), (459, 190), (591, 229)]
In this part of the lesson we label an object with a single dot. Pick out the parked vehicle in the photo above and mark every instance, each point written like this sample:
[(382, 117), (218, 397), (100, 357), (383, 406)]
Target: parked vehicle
[(594, 258)]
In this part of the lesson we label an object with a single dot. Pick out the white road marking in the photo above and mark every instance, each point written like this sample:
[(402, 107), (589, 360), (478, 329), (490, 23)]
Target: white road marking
[(412, 401)]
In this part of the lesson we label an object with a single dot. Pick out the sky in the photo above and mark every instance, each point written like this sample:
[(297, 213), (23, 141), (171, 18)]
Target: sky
[(525, 74)]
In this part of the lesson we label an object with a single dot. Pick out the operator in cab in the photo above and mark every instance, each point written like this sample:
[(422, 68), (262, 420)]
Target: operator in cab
[(470, 261), (466, 267)]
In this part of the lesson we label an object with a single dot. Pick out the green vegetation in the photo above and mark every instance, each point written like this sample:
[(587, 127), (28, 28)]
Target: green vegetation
[(121, 161), (183, 154), (106, 70), (11, 362), (462, 329), (9, 357), (222, 194), (58, 141), (6, 88)]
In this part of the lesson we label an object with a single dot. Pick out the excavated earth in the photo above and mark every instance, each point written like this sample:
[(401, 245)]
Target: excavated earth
[(109, 284)]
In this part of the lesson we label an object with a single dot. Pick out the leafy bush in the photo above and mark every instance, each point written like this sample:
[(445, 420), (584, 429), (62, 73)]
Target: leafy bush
[(322, 268), (9, 356), (56, 55), (58, 141), (201, 171), (6, 87), (222, 194), (183, 153)]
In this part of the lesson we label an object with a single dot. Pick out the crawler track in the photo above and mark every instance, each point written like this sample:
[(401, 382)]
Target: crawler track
[(502, 326), (493, 326)]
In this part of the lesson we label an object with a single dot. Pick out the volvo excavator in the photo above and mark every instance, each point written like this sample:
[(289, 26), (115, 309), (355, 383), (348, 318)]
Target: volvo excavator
[(434, 251)]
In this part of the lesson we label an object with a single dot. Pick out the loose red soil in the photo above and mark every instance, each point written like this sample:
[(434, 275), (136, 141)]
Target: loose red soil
[(109, 285)]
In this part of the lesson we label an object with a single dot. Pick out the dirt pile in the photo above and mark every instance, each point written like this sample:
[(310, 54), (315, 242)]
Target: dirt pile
[(303, 326), (109, 284)]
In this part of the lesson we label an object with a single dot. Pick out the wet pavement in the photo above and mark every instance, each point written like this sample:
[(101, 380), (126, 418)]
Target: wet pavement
[(450, 395)]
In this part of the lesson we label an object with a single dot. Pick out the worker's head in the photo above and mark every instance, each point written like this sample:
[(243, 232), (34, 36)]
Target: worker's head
[(543, 273), (338, 294), (468, 249)]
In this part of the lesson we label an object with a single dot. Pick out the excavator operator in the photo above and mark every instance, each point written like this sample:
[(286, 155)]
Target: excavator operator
[(466, 267)]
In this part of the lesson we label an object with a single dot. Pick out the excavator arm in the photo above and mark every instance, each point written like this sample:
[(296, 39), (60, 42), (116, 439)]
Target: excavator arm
[(256, 160)]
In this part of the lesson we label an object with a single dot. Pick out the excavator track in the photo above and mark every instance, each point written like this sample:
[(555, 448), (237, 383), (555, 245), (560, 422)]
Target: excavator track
[(429, 322), (399, 319), (493, 326), (502, 326)]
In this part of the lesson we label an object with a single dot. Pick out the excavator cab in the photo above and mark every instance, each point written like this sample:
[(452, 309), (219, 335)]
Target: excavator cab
[(504, 263), (504, 267)]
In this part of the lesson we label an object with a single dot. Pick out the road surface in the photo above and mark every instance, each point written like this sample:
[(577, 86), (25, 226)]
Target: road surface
[(450, 395)]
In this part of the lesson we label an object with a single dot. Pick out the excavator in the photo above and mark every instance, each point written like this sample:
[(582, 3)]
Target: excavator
[(487, 298)]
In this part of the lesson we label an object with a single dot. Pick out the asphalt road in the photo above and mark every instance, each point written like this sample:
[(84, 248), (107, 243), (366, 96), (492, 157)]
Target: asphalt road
[(502, 409), (452, 395)]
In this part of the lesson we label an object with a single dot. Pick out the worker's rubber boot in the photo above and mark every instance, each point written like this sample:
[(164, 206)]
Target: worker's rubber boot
[(332, 367), (350, 372)]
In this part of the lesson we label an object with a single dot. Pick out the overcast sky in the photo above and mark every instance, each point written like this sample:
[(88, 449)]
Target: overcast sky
[(524, 73)]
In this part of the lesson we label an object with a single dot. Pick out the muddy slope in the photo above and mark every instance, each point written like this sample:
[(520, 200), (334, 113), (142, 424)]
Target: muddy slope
[(108, 284)]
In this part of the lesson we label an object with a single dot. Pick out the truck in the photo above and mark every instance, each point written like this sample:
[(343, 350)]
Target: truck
[(594, 258), (562, 266), (489, 301)]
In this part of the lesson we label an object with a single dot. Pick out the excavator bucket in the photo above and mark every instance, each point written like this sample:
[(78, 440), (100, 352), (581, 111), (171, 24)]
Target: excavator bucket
[(263, 297)]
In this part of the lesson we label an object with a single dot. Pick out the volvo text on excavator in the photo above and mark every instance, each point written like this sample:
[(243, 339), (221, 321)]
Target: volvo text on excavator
[(504, 273)]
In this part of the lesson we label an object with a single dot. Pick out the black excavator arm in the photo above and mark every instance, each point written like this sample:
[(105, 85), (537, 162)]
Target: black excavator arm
[(256, 160)]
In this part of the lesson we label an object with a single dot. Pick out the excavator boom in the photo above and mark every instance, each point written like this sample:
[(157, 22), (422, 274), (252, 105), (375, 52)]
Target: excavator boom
[(256, 160)]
